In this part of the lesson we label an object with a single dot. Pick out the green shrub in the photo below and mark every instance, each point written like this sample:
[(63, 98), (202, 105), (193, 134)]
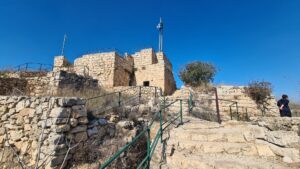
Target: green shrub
[(198, 73)]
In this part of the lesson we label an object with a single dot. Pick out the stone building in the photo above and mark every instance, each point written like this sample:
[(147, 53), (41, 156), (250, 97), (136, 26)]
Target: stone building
[(143, 68)]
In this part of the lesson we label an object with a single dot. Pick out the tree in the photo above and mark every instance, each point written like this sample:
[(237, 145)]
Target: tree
[(260, 92), (198, 73)]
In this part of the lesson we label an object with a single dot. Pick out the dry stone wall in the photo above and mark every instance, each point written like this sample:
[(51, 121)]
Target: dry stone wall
[(43, 126), (48, 131)]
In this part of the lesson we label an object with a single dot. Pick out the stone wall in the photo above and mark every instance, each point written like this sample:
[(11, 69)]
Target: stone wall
[(63, 83), (101, 66), (155, 69), (8, 85), (53, 124), (50, 85), (123, 71)]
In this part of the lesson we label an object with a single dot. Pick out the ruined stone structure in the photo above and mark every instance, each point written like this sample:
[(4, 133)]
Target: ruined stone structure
[(143, 68)]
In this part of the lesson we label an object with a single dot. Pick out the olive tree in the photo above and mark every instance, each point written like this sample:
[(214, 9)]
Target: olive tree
[(197, 73)]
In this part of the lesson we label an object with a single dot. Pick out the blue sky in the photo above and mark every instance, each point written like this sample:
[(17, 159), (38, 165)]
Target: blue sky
[(247, 40)]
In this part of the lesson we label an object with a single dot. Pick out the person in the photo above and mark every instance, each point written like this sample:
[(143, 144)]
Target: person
[(283, 105)]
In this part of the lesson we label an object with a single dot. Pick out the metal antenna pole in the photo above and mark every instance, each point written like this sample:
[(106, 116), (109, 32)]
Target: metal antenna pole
[(160, 38), (63, 46)]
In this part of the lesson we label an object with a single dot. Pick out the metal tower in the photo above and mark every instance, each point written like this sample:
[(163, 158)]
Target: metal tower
[(160, 38)]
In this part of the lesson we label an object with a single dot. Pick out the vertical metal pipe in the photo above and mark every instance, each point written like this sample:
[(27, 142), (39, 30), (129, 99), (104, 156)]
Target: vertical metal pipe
[(237, 111), (148, 147), (140, 93), (181, 122), (217, 106), (119, 99), (247, 117), (160, 125), (230, 112)]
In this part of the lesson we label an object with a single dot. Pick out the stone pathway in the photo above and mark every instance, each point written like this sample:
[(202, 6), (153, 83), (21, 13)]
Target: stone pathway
[(200, 144)]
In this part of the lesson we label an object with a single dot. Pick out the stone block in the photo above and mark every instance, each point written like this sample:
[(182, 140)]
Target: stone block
[(62, 128), (79, 111), (78, 129), (60, 112), (16, 135)]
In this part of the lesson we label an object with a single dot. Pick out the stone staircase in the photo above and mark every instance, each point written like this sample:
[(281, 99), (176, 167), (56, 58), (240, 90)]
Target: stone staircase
[(200, 144)]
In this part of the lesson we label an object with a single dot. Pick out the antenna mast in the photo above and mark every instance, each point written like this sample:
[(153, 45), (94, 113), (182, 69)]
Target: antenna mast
[(160, 38), (63, 46)]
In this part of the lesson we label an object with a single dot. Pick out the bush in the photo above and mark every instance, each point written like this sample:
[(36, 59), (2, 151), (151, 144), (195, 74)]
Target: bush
[(260, 92), (198, 73)]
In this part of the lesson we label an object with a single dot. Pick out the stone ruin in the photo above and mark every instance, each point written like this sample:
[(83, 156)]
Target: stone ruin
[(29, 106), (143, 68)]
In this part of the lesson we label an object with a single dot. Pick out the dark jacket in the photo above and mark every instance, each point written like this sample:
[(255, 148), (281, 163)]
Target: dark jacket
[(286, 111)]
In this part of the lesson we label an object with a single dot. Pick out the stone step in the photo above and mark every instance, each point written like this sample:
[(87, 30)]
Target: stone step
[(246, 149), (222, 161)]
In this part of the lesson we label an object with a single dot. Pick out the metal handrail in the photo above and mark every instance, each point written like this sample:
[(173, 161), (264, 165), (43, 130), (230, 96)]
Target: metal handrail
[(150, 146)]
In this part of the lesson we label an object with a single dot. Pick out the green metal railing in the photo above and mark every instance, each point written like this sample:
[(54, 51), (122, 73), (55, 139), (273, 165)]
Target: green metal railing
[(151, 144), (108, 101)]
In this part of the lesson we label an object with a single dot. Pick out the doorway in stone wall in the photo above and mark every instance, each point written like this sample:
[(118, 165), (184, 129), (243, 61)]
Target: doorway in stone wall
[(146, 83)]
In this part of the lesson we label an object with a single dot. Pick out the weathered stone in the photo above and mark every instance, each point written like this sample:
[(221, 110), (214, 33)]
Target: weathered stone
[(27, 127), (79, 129), (283, 138), (60, 112), (125, 124), (57, 160), (80, 137), (2, 131), (79, 111), (3, 110), (55, 138), (62, 128), (12, 127), (83, 120), (20, 106), (60, 120), (67, 102), (27, 112), (73, 122), (11, 112), (16, 135), (92, 131)]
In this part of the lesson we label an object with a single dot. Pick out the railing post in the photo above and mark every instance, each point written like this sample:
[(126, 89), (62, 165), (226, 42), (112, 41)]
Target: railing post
[(160, 125), (230, 112), (140, 93), (155, 92), (181, 122), (217, 106), (119, 99), (148, 147), (237, 111), (247, 117)]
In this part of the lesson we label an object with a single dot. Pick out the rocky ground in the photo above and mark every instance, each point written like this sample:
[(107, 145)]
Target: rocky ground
[(262, 144)]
